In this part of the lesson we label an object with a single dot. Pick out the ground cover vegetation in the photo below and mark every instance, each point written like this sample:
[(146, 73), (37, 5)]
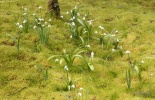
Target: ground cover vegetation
[(95, 50)]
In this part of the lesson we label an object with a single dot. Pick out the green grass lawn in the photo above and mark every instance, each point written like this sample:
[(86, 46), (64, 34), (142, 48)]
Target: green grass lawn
[(27, 73)]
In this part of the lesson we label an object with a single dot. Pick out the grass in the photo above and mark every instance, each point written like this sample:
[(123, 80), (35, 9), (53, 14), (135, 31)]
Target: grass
[(19, 78)]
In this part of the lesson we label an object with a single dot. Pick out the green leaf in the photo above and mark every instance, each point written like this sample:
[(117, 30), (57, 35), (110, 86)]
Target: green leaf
[(91, 67), (12, 37)]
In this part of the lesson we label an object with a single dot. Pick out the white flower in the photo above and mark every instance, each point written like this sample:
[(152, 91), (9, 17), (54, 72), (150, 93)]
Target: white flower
[(20, 26), (88, 46), (79, 94), (43, 25), (117, 40), (70, 37), (40, 7), (127, 52), (49, 20), (35, 66), (142, 61), (101, 27), (73, 86), (24, 14), (25, 9), (24, 21), (73, 23), (78, 14), (151, 74), (84, 18), (73, 17), (81, 89), (39, 23), (17, 24), (61, 16), (49, 26), (90, 22), (34, 27), (113, 35), (56, 60), (71, 11), (92, 55), (66, 68), (67, 12), (96, 32), (116, 31), (41, 19), (75, 7), (34, 14), (113, 50), (104, 34), (85, 31)]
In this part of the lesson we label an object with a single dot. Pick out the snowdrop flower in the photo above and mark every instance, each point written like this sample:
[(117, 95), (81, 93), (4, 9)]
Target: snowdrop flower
[(113, 50), (20, 26), (25, 9), (24, 14), (73, 86), (90, 22), (40, 7), (142, 61), (88, 46), (24, 21), (104, 34), (49, 26), (116, 31), (73, 17), (127, 52), (67, 12), (34, 27), (101, 27), (61, 16), (70, 37), (49, 20), (39, 23), (81, 89), (92, 55), (79, 94), (43, 25), (75, 7), (56, 60), (66, 68), (151, 74), (71, 11), (78, 14), (113, 35), (34, 14), (84, 18), (73, 23), (96, 32), (41, 19), (85, 31), (17, 24), (117, 40)]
